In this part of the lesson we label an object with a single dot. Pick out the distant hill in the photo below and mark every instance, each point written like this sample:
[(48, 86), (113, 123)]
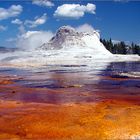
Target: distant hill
[(6, 49)]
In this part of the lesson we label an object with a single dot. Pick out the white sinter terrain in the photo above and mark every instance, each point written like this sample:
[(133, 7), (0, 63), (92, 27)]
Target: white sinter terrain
[(67, 46)]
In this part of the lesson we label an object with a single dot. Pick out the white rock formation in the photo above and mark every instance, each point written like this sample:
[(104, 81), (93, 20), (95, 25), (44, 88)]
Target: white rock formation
[(67, 38)]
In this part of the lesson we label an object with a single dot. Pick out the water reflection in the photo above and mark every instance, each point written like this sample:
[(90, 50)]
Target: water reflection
[(69, 83)]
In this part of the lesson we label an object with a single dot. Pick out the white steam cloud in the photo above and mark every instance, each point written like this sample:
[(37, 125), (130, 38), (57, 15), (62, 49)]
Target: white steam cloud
[(33, 39), (87, 28)]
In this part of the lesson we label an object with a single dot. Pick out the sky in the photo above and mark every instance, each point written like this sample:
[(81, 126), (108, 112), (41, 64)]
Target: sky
[(24, 22)]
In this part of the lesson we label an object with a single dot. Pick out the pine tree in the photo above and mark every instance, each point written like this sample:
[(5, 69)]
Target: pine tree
[(121, 48)]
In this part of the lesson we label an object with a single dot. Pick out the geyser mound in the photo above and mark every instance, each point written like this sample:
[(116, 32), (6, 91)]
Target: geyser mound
[(67, 38)]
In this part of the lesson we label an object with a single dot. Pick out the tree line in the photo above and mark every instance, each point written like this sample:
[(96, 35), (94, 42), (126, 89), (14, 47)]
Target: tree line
[(121, 47)]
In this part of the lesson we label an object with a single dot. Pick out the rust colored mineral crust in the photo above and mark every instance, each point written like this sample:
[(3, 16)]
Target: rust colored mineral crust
[(109, 118)]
